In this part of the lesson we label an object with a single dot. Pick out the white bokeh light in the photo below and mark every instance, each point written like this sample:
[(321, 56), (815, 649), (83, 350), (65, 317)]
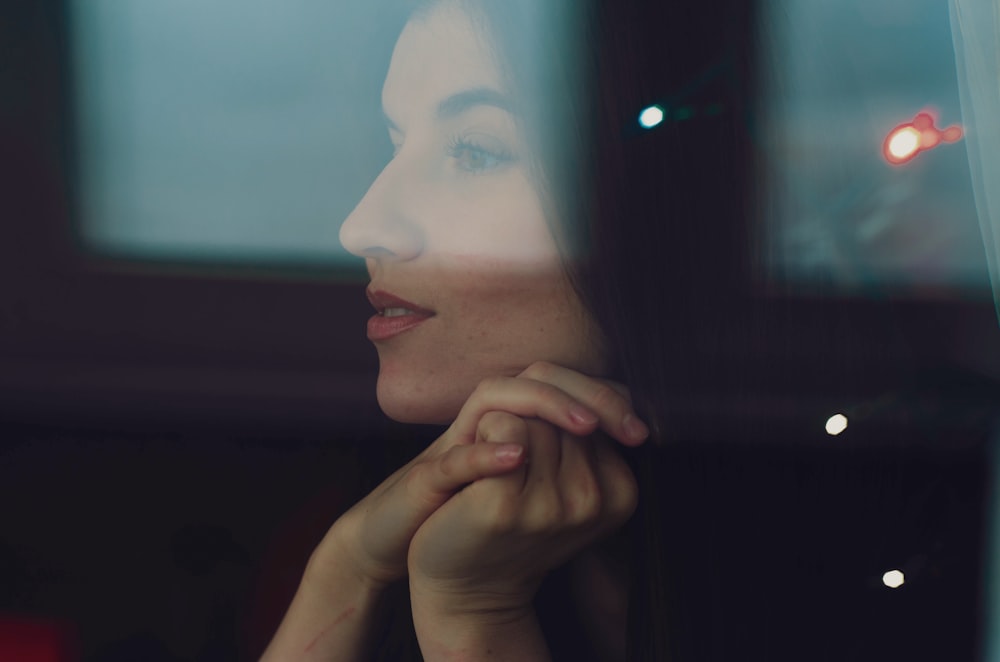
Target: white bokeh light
[(650, 117), (836, 424), (893, 578), (905, 143)]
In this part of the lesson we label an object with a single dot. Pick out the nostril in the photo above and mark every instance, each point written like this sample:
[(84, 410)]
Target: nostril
[(381, 237), (377, 252)]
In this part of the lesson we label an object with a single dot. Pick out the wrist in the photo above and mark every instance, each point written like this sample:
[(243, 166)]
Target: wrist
[(333, 615), (453, 626), (338, 557)]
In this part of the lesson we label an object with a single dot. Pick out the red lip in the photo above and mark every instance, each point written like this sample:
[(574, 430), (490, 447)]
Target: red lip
[(381, 327)]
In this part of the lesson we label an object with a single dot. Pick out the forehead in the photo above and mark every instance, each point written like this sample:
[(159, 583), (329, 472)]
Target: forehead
[(439, 53)]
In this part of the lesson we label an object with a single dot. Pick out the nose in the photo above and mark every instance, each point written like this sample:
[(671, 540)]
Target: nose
[(381, 227)]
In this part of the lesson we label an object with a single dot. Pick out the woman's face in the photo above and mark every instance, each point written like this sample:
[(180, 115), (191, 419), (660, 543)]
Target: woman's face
[(465, 274)]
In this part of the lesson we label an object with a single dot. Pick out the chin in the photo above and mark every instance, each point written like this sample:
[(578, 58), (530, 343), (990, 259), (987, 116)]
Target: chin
[(418, 403)]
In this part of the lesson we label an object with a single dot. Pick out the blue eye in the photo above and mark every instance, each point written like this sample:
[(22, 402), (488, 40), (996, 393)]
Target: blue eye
[(476, 158)]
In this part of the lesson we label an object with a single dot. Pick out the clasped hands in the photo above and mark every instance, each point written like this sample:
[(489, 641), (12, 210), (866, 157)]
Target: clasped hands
[(518, 484)]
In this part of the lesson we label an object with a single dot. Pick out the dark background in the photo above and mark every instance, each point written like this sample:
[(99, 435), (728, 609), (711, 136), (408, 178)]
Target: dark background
[(174, 439)]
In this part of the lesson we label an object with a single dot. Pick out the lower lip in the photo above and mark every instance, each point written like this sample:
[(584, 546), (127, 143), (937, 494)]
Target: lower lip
[(383, 328)]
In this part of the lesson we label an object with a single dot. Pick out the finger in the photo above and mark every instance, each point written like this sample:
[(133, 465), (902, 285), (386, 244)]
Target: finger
[(609, 400), (502, 426), (582, 492), (619, 490), (540, 495), (435, 480), (525, 500), (526, 398), (545, 448), (542, 448), (431, 484)]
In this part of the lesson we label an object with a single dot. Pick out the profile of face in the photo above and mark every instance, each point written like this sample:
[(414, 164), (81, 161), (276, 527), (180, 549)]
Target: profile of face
[(466, 276)]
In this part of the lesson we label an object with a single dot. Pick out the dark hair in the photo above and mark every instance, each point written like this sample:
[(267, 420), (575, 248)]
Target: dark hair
[(653, 224), (671, 265)]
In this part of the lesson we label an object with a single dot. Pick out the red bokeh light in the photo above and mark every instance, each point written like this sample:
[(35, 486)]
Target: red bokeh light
[(905, 141), (25, 639)]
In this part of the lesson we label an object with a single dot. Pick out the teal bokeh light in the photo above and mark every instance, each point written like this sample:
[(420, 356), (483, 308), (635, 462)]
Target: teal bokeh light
[(651, 117)]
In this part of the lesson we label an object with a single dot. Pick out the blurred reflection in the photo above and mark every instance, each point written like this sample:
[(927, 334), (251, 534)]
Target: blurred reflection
[(975, 30), (221, 131), (838, 77)]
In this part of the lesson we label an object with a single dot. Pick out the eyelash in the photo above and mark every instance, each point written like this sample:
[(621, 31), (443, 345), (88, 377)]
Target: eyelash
[(460, 147)]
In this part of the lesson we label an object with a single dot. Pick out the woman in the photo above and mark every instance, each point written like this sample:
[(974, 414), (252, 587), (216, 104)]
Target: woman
[(477, 266)]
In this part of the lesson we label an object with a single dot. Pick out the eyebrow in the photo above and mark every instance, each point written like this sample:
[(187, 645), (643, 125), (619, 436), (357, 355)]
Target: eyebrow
[(460, 102)]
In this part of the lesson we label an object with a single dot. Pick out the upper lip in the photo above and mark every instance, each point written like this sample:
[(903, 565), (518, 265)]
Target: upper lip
[(380, 300)]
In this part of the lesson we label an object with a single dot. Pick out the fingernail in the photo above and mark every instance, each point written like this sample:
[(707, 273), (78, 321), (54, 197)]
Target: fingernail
[(582, 415), (508, 452), (634, 428)]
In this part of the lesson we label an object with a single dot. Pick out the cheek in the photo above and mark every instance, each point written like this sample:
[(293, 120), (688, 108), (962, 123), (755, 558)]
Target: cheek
[(504, 296), (489, 326), (518, 318), (487, 224)]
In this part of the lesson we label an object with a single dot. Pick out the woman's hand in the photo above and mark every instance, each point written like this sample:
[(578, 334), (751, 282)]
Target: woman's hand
[(374, 536), (476, 563), (333, 612)]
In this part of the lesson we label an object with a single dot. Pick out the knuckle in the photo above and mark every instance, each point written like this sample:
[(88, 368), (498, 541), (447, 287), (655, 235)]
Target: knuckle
[(502, 517), (542, 431), (621, 495), (620, 389), (539, 370), (415, 488), (626, 496), (604, 397), (502, 426), (545, 514), (492, 419), (416, 473), (516, 424), (489, 384), (586, 502), (448, 463)]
